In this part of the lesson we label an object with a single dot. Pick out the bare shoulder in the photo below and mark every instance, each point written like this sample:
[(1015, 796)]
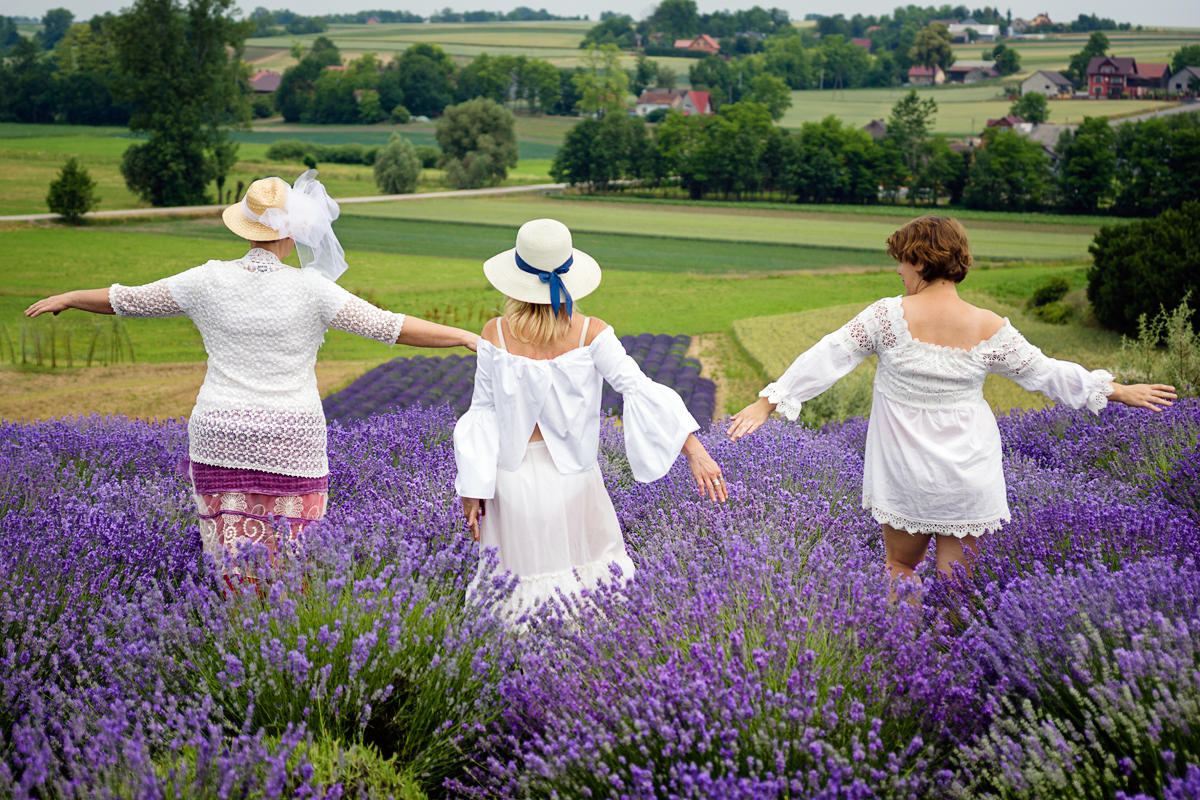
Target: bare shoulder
[(596, 326), (989, 322), (489, 331)]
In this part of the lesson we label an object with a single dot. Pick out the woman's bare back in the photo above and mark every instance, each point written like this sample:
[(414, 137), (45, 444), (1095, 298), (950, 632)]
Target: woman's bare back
[(943, 318)]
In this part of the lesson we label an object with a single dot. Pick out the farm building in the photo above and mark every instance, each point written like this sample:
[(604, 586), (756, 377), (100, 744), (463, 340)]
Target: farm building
[(1149, 78), (1047, 82), (960, 33), (1182, 82), (862, 42), (967, 71), (1010, 122), (877, 128), (1040, 20), (926, 76), (703, 43), (688, 103), (265, 82), (1108, 76)]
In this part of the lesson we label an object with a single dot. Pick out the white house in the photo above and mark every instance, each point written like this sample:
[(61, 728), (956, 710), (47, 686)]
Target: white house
[(1181, 81), (987, 33), (1047, 82)]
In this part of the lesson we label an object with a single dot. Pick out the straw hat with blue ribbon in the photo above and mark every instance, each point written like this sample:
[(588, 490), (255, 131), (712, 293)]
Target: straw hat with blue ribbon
[(544, 267)]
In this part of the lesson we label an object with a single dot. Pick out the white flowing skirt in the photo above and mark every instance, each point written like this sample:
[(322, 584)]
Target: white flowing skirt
[(555, 532)]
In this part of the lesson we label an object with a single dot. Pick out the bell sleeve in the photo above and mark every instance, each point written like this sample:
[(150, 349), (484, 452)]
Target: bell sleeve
[(656, 421), (477, 437), (1013, 357), (828, 361)]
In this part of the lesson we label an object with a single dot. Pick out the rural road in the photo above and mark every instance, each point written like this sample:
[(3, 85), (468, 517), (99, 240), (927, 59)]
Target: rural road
[(187, 210)]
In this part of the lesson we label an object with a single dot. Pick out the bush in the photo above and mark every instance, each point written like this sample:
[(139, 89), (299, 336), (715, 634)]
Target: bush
[(73, 193), (310, 162), (397, 167), (1145, 266), (1052, 290), (400, 115), (370, 154), (289, 150), (1056, 312), (478, 140), (263, 107), (1167, 350), (657, 115), (429, 155), (345, 154)]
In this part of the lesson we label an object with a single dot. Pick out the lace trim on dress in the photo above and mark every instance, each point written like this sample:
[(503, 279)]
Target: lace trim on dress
[(281, 442), (260, 260), (873, 327), (363, 319), (957, 529), (789, 408), (1098, 398), (150, 300)]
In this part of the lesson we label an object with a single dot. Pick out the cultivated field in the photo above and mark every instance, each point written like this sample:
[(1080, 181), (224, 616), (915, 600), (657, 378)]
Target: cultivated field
[(1054, 52), (778, 226)]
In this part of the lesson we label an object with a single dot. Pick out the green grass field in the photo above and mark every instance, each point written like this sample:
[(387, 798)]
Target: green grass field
[(962, 110), (992, 241), (1056, 50)]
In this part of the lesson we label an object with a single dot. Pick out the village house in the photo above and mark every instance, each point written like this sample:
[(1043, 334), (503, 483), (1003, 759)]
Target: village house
[(686, 102), (265, 82), (1181, 82), (926, 76), (1047, 82), (960, 34), (702, 43), (1011, 122), (862, 42), (967, 71), (1149, 78), (1040, 20), (1108, 76), (877, 128)]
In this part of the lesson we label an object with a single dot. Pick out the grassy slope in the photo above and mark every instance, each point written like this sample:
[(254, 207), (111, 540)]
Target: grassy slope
[(725, 224)]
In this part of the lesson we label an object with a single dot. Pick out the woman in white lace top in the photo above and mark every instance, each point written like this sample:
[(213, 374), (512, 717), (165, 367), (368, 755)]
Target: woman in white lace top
[(933, 455), (257, 433), (527, 449)]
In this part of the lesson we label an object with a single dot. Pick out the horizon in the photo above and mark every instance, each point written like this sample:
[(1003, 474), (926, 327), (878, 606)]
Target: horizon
[(1172, 13)]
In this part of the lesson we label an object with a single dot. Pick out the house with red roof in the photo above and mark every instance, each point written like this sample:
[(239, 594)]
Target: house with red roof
[(702, 43), (1149, 78), (1108, 76), (864, 43), (1008, 122), (263, 82), (688, 103), (926, 76)]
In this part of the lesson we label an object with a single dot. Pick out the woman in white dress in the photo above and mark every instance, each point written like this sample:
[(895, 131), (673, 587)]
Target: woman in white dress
[(527, 449), (933, 462)]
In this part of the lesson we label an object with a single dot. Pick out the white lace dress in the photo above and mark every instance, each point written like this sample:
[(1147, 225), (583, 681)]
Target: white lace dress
[(933, 461)]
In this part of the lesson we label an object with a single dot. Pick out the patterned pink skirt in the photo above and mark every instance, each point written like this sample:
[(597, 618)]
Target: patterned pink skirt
[(240, 507)]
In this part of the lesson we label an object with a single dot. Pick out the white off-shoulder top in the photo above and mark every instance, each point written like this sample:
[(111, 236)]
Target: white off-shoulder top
[(562, 397), (262, 323), (933, 460)]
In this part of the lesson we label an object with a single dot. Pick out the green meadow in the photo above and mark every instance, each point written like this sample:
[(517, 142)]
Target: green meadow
[(776, 226)]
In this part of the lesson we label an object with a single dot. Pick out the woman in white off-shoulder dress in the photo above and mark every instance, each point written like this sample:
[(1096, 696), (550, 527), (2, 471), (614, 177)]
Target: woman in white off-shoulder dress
[(527, 449), (933, 461)]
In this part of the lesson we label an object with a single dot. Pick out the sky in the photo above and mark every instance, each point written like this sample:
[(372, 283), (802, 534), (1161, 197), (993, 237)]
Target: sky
[(1165, 12)]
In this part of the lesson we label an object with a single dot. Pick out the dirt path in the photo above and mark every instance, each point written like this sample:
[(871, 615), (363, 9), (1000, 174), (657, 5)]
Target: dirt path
[(146, 391), (724, 362)]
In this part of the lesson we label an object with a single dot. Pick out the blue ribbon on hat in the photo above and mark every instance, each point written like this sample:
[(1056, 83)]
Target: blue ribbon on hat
[(551, 277)]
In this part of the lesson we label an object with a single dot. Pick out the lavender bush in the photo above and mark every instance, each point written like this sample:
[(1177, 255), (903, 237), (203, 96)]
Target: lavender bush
[(450, 380), (755, 654)]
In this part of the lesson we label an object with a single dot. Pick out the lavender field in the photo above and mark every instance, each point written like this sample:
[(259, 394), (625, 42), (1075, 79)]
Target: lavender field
[(755, 654), (430, 382)]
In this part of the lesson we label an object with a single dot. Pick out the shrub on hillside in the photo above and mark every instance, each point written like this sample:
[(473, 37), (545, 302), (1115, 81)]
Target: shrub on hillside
[(288, 150), (429, 155), (73, 193), (1145, 266), (1167, 350), (478, 139), (397, 167)]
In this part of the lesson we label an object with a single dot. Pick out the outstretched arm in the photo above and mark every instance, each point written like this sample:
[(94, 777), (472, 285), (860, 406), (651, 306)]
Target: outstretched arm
[(422, 333), (93, 300), (1144, 395), (750, 418)]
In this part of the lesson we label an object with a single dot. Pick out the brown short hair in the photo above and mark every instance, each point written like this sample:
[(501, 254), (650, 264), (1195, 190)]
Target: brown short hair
[(938, 244)]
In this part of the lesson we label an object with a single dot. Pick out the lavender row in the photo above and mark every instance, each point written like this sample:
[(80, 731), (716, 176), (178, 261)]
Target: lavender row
[(755, 653), (449, 381)]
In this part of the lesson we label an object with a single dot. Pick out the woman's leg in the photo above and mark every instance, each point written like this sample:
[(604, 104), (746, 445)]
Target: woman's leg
[(905, 551), (952, 550)]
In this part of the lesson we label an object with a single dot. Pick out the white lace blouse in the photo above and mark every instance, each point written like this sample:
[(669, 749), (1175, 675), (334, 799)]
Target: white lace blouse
[(262, 323), (562, 397), (933, 461)]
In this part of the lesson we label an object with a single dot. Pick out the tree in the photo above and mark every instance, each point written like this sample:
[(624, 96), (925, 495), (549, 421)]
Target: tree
[(1086, 167), (479, 143), (602, 84), (397, 166), (643, 74), (1008, 60), (1142, 267), (772, 92), (940, 171), (182, 71), (73, 192), (614, 30), (665, 77), (845, 63), (933, 46), (676, 19), (599, 153), (1186, 56), (1097, 45), (55, 24), (483, 77), (1030, 107), (1010, 172), (420, 79), (1155, 164), (789, 59), (908, 127)]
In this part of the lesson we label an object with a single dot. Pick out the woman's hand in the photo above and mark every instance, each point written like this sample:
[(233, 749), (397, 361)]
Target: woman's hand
[(750, 418), (1144, 395), (473, 510), (705, 470), (51, 305)]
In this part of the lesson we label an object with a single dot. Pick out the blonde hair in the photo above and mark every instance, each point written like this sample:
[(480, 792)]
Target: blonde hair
[(536, 323)]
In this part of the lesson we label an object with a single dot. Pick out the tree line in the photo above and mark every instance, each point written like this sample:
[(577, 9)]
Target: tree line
[(1133, 169)]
